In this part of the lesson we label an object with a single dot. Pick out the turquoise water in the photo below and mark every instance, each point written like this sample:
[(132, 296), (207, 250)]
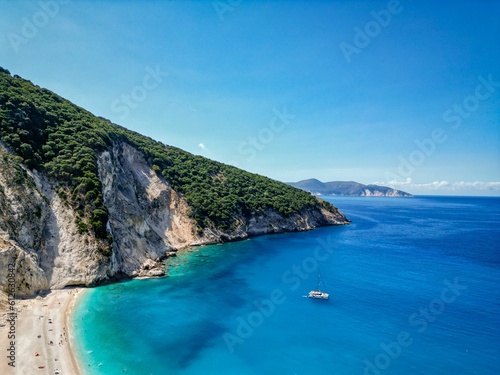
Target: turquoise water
[(413, 289)]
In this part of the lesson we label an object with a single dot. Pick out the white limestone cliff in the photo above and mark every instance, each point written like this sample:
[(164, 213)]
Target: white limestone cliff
[(147, 221)]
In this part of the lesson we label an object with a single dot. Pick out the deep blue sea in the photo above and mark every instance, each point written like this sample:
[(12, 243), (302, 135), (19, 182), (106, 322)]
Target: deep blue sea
[(413, 283)]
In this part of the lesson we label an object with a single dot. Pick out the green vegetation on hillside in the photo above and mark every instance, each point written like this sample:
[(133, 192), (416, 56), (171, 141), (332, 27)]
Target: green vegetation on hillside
[(51, 134)]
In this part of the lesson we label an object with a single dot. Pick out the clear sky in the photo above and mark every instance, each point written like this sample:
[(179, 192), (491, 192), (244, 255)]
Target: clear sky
[(405, 93)]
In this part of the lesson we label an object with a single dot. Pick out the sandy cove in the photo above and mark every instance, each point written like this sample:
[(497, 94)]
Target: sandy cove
[(43, 337)]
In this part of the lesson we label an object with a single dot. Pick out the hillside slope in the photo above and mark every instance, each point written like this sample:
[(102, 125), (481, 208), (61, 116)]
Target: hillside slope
[(347, 188), (85, 200)]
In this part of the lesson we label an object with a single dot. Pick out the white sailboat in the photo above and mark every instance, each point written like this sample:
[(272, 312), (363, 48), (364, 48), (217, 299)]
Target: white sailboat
[(317, 293)]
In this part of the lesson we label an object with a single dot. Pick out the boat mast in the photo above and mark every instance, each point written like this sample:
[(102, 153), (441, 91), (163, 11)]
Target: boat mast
[(319, 280)]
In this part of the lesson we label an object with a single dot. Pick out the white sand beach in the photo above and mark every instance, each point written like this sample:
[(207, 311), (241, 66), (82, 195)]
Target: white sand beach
[(43, 336)]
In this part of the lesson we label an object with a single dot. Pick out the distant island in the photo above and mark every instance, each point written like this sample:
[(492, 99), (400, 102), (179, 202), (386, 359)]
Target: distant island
[(347, 188)]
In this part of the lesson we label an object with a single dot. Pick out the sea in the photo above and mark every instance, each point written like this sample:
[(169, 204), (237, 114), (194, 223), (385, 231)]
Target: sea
[(413, 285)]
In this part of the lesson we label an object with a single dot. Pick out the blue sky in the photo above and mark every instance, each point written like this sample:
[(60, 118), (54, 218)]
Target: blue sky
[(405, 93)]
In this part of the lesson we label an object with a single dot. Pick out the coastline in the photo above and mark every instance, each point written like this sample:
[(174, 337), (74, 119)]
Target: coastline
[(44, 337)]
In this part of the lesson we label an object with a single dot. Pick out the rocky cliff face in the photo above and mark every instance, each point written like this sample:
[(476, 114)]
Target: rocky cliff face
[(147, 218), (375, 191), (147, 221), (38, 235), (23, 211)]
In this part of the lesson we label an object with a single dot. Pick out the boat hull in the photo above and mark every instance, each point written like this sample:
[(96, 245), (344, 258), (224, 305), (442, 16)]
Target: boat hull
[(316, 294)]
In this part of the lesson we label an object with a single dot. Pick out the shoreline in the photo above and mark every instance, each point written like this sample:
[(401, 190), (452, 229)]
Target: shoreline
[(44, 338)]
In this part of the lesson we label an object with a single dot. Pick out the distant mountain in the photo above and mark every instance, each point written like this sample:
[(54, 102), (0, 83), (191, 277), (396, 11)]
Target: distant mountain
[(347, 188)]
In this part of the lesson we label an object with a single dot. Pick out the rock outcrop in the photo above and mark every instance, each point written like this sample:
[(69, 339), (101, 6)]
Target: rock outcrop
[(147, 218), (23, 212), (39, 236)]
